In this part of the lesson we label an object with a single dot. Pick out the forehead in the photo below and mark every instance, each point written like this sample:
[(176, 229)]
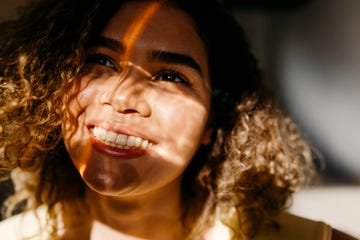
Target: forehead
[(155, 25)]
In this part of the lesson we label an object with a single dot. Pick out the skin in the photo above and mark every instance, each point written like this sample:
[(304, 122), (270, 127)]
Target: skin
[(135, 193)]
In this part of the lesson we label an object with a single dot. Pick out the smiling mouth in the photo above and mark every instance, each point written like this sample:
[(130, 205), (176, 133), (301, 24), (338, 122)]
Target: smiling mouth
[(116, 140)]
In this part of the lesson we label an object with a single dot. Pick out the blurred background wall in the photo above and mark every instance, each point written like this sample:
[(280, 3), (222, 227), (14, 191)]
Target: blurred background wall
[(310, 50)]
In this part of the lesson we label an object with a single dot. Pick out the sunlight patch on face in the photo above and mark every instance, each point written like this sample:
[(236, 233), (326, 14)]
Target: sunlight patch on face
[(85, 156), (185, 138), (82, 169), (137, 67), (137, 27)]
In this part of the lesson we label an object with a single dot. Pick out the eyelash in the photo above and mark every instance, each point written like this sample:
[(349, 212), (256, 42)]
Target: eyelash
[(101, 59), (168, 75)]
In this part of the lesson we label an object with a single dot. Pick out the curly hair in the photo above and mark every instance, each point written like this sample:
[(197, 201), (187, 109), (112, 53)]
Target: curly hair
[(257, 157), (40, 53)]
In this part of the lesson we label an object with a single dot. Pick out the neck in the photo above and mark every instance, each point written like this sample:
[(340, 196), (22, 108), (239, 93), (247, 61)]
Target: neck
[(154, 215)]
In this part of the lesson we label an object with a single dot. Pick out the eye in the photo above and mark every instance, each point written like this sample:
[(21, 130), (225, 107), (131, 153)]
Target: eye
[(171, 76), (101, 59)]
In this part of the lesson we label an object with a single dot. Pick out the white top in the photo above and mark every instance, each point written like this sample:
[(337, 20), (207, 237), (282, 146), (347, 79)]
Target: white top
[(26, 225)]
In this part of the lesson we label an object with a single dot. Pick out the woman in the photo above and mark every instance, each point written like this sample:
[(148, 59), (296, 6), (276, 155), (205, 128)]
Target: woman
[(143, 120)]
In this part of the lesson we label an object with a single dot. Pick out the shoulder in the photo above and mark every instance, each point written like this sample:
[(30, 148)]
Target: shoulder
[(290, 227), (310, 229), (295, 227), (339, 235), (24, 225)]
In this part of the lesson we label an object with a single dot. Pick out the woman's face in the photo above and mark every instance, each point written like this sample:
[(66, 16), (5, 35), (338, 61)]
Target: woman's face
[(143, 105)]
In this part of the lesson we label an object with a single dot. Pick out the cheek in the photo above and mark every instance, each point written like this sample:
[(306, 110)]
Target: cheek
[(84, 96), (182, 125), (86, 91), (80, 97), (76, 140), (75, 135)]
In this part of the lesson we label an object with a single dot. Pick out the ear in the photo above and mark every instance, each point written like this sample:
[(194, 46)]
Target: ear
[(206, 139)]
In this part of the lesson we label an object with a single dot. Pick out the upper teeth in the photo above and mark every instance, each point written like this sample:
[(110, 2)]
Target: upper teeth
[(119, 140)]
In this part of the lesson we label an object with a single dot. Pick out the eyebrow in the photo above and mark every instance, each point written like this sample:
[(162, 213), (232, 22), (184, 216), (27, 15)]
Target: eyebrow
[(155, 55), (175, 58), (100, 41)]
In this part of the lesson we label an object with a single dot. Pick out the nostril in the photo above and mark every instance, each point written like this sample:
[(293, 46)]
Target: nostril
[(130, 111), (127, 96)]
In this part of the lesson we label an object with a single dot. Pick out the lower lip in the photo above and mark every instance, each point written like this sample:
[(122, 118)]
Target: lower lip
[(116, 152)]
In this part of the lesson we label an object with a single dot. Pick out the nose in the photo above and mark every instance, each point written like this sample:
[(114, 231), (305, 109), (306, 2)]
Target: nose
[(127, 93)]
